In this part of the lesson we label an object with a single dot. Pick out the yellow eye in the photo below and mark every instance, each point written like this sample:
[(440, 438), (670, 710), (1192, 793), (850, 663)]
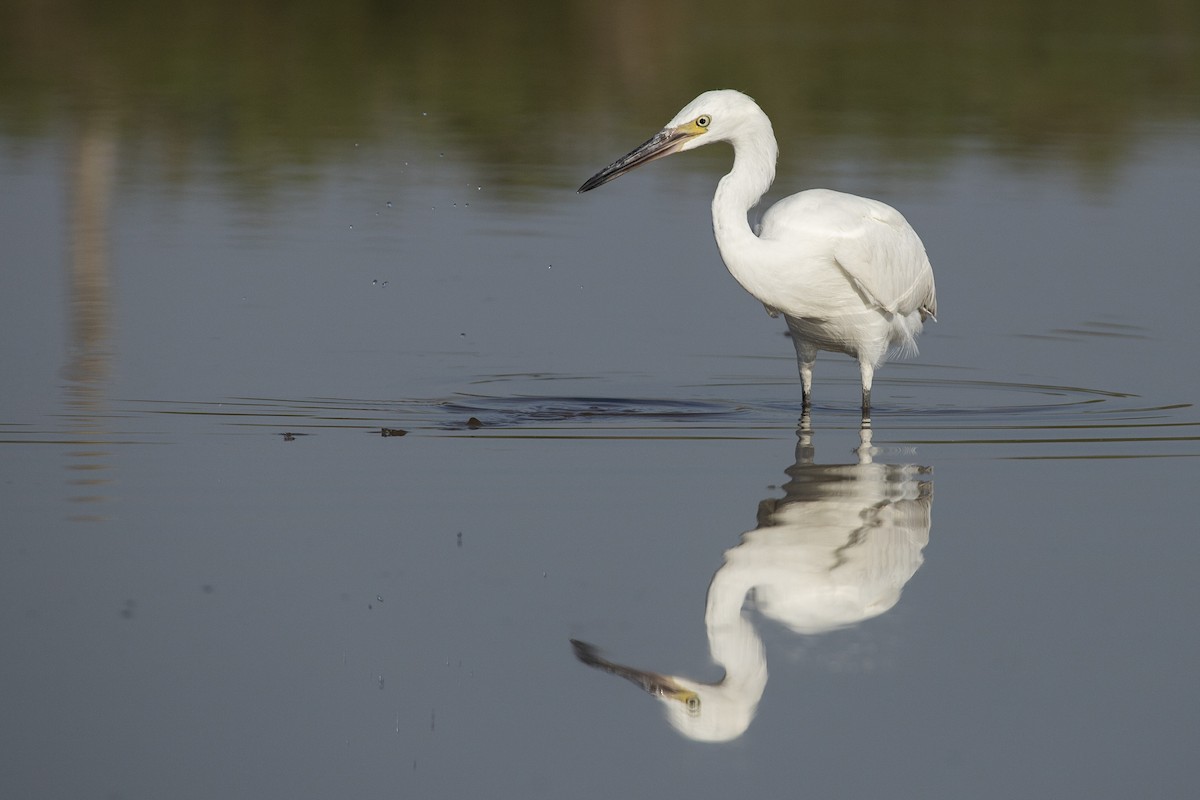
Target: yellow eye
[(703, 120)]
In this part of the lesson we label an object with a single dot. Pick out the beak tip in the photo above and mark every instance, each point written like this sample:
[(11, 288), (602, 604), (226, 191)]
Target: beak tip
[(663, 143)]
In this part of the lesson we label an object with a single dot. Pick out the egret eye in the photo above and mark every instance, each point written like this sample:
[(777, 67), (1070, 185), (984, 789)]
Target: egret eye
[(703, 120)]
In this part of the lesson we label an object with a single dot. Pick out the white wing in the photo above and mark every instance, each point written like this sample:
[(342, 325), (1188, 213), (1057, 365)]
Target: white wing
[(869, 241)]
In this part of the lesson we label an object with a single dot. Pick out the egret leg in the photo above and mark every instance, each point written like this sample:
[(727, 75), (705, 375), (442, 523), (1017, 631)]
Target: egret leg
[(806, 368), (806, 356), (868, 375)]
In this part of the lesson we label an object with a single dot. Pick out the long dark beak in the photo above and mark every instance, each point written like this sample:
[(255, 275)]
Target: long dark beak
[(663, 143)]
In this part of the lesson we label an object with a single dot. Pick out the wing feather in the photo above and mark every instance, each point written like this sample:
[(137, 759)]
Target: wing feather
[(870, 241)]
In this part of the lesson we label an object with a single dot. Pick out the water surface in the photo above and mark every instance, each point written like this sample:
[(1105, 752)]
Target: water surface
[(332, 415)]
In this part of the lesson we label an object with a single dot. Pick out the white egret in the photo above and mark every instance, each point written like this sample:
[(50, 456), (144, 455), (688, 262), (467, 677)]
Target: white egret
[(849, 274)]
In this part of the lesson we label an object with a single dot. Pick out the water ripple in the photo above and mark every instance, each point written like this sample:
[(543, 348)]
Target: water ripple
[(1030, 419)]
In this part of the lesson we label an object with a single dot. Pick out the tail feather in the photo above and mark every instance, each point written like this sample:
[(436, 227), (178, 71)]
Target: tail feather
[(905, 329)]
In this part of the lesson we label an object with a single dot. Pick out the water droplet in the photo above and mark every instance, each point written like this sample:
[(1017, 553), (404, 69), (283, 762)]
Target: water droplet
[(351, 227), (389, 203)]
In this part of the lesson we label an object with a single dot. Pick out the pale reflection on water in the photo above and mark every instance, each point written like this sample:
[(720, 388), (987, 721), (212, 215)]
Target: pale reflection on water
[(89, 285), (837, 549)]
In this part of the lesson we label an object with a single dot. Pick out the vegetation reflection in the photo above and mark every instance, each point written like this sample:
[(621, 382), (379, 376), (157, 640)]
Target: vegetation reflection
[(262, 84)]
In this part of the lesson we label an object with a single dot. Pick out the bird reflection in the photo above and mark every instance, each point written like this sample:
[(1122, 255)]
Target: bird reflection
[(837, 549)]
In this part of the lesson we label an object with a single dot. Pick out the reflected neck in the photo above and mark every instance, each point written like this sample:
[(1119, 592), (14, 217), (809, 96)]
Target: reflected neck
[(733, 643)]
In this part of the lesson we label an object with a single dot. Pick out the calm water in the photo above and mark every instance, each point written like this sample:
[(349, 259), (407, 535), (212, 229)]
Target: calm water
[(332, 415)]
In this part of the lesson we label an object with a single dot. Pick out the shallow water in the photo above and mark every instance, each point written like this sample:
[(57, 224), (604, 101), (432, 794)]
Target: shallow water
[(320, 447)]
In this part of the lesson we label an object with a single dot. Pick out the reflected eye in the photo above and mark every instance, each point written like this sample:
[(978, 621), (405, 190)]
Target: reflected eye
[(703, 120)]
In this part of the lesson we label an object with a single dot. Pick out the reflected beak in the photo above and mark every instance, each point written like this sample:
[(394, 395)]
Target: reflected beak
[(663, 143), (651, 682)]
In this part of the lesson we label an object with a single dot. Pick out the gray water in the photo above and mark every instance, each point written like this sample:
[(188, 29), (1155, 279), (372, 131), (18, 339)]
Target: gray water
[(324, 431)]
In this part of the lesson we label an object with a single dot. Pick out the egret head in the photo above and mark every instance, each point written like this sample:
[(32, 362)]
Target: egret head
[(716, 116)]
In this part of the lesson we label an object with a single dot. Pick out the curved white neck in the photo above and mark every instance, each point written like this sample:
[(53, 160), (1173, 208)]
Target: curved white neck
[(753, 171)]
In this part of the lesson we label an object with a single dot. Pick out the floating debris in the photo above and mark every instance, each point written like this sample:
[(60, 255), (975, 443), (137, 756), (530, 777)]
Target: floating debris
[(474, 423), (392, 432)]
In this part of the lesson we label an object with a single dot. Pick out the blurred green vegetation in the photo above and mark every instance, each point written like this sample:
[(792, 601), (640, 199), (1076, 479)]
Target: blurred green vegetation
[(261, 83)]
